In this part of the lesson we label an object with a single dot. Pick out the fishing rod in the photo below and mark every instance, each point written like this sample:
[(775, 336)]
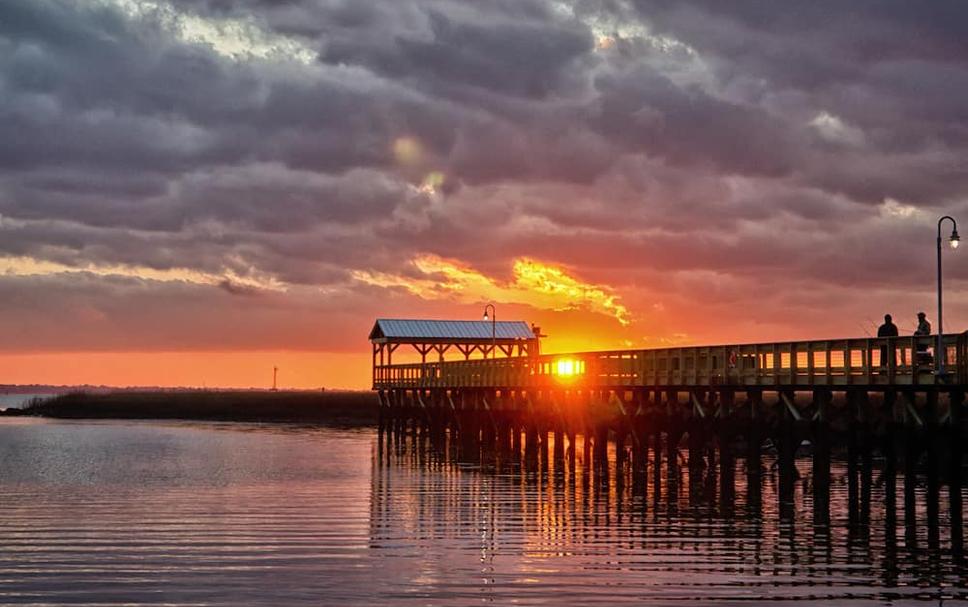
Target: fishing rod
[(873, 326), (901, 328)]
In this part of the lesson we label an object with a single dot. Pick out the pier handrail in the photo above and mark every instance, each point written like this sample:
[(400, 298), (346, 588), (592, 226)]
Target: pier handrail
[(867, 361)]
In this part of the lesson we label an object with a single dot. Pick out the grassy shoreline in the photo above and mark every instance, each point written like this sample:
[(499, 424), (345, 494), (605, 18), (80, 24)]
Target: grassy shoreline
[(330, 407)]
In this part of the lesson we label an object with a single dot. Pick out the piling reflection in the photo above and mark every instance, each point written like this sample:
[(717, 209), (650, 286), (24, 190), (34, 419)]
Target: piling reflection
[(650, 520)]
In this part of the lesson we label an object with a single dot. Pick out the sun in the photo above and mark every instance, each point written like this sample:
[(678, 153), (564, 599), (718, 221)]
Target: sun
[(567, 368)]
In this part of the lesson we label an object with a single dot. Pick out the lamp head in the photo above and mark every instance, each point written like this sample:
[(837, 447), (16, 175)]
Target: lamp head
[(955, 240), (485, 315)]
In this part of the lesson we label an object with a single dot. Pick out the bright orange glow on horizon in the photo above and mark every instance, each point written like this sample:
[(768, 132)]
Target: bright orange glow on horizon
[(297, 370)]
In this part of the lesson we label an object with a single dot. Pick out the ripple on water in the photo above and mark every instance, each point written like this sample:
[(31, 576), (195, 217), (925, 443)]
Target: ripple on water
[(113, 513)]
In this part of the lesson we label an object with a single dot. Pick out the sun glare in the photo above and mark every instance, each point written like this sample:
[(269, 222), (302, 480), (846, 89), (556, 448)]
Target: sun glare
[(566, 368)]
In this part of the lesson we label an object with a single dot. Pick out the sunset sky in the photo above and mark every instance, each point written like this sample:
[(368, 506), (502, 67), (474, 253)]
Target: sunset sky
[(193, 191)]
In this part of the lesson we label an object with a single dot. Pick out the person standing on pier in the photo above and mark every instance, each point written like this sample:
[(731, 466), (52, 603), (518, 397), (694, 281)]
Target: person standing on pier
[(888, 329), (924, 329)]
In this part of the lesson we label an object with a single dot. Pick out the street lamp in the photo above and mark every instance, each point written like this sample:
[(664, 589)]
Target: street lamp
[(493, 319), (953, 240)]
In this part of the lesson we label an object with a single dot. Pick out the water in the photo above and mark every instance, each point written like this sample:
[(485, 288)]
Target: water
[(17, 401), (110, 513)]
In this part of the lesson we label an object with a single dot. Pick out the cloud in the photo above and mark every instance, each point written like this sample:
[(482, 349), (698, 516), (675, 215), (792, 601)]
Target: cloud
[(533, 283), (229, 279), (665, 162), (834, 129), (240, 39)]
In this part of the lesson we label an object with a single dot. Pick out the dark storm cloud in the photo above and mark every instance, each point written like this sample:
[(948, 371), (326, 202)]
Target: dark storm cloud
[(507, 56), (816, 42), (894, 70), (629, 139), (688, 126)]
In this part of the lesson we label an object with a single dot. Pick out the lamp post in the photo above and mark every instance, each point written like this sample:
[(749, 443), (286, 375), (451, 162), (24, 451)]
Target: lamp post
[(493, 319), (953, 240)]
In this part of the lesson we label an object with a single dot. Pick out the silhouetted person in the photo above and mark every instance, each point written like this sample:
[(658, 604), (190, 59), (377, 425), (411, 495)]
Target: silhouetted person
[(888, 329), (924, 329)]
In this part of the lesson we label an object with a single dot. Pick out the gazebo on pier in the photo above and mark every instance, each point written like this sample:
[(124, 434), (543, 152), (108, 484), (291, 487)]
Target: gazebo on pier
[(510, 338)]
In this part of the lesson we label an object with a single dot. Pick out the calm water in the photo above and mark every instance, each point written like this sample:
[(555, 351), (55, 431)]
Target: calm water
[(17, 401), (159, 513)]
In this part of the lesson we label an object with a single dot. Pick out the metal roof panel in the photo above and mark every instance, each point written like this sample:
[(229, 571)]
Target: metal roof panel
[(398, 328)]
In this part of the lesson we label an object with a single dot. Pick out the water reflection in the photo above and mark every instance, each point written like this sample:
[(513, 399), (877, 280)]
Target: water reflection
[(120, 513), (667, 526)]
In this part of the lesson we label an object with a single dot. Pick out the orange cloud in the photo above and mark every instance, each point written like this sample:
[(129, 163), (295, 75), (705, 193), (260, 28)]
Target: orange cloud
[(534, 283)]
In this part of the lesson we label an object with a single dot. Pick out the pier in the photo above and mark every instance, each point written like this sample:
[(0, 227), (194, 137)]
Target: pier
[(864, 398)]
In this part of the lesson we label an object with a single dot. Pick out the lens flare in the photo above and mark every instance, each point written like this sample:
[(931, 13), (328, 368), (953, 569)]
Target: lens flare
[(407, 151), (567, 368)]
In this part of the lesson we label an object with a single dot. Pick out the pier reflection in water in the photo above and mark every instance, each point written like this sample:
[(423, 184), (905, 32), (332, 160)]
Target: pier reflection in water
[(554, 521), (139, 513)]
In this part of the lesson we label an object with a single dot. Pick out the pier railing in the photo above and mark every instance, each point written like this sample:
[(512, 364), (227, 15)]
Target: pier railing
[(869, 362)]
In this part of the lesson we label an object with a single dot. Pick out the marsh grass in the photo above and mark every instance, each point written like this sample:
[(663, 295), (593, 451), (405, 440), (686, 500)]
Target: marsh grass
[(331, 407)]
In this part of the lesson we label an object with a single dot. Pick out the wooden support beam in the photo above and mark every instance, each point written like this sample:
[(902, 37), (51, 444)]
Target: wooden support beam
[(790, 407), (910, 410), (441, 349), (697, 408)]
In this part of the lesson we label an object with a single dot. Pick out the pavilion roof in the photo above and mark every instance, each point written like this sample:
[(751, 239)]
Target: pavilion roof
[(395, 330)]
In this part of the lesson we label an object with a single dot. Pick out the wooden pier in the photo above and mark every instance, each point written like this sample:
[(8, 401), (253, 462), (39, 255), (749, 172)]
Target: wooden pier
[(858, 396)]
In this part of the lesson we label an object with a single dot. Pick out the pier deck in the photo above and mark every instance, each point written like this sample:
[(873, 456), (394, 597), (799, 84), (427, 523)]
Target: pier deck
[(801, 365)]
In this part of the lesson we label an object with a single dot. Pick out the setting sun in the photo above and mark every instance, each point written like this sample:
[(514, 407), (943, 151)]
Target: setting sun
[(566, 367)]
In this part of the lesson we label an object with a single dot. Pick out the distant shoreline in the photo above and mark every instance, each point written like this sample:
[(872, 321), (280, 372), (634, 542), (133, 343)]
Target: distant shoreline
[(342, 408)]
